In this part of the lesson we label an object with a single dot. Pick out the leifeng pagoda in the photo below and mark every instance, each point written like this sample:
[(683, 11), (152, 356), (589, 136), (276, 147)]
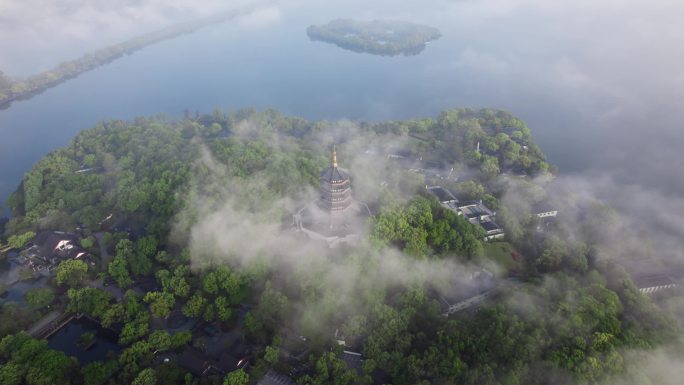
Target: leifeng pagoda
[(335, 216), (335, 187)]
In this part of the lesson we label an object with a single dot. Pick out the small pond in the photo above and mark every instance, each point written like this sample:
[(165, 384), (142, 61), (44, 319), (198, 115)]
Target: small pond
[(66, 340)]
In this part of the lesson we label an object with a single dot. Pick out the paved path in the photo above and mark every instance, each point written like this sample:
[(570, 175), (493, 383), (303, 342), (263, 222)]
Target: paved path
[(43, 322), (478, 299), (104, 257), (466, 304)]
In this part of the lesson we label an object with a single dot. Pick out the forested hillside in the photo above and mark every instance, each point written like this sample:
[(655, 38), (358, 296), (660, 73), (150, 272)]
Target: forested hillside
[(166, 196)]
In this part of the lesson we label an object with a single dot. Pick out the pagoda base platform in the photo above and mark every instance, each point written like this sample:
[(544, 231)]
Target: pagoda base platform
[(333, 227)]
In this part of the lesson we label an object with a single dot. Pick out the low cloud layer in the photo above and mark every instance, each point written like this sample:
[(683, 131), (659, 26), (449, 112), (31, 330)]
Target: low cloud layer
[(234, 221), (642, 235), (646, 222), (227, 220), (648, 367)]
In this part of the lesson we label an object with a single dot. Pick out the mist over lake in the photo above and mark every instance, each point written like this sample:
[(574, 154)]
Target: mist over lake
[(588, 79)]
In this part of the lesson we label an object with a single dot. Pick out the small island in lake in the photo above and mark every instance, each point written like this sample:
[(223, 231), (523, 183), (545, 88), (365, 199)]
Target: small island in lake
[(377, 37), (86, 340)]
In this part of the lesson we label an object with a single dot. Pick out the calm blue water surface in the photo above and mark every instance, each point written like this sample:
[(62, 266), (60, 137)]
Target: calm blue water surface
[(277, 66)]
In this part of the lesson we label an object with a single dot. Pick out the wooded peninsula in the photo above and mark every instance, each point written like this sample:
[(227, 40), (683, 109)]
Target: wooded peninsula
[(20, 89), (175, 239), (377, 37)]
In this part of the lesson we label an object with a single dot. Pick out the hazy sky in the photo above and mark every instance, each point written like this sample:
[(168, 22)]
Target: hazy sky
[(44, 31)]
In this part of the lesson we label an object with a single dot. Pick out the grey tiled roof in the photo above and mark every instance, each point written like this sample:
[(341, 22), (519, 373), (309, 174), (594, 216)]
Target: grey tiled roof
[(331, 174), (275, 378)]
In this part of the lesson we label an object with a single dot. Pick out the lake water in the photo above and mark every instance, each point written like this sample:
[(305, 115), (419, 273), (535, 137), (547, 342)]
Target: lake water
[(232, 67)]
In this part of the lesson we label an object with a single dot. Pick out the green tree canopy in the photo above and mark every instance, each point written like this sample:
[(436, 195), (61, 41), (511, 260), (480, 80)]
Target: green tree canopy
[(18, 241), (160, 340), (423, 227), (236, 377), (145, 377), (96, 373), (39, 297), (91, 301), (71, 272), (31, 362), (118, 270), (195, 306), (161, 303)]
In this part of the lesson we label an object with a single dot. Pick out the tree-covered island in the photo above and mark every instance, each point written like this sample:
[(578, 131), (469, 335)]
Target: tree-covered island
[(176, 239), (377, 37)]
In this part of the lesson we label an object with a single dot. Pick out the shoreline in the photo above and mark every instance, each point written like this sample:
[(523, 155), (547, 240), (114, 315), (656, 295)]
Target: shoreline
[(36, 84)]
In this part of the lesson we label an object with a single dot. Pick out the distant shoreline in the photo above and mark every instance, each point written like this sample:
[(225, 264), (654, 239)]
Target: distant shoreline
[(12, 90)]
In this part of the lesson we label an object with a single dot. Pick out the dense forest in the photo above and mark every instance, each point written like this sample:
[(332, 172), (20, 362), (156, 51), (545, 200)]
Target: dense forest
[(151, 189), (377, 37)]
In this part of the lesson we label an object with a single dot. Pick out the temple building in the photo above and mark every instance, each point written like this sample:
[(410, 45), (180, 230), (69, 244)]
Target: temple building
[(335, 217), (335, 187)]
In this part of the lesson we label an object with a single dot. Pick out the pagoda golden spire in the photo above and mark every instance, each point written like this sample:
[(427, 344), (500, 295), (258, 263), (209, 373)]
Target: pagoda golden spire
[(334, 156)]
